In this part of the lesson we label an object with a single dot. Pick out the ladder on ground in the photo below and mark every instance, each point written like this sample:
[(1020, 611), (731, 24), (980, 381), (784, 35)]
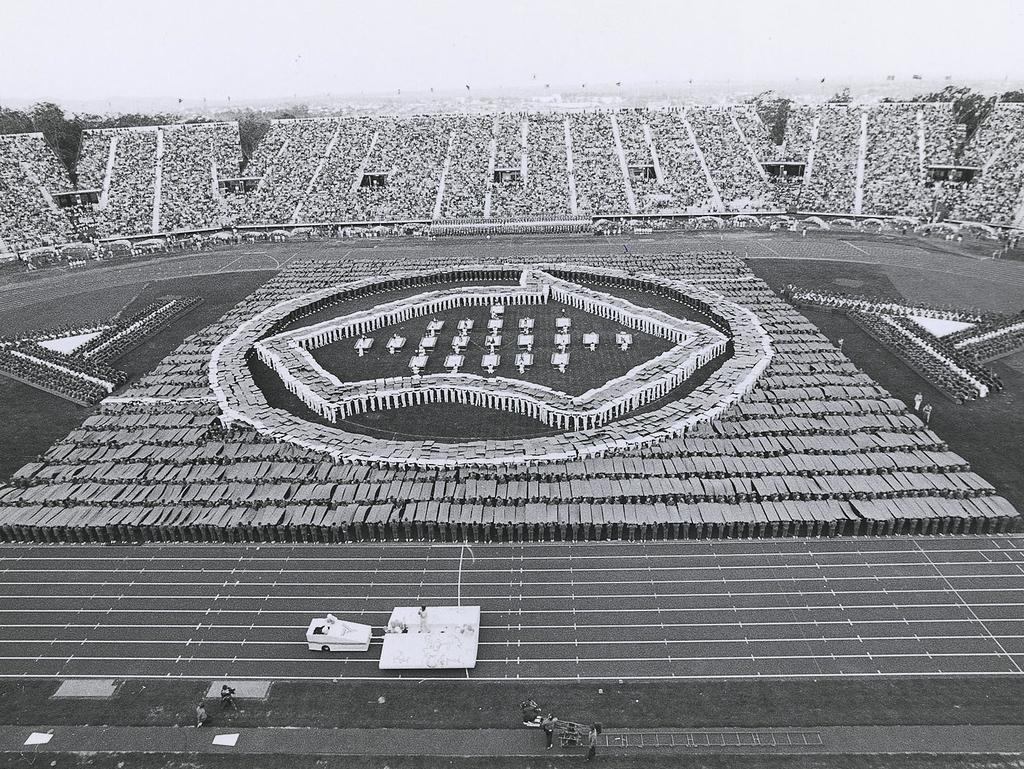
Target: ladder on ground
[(649, 138), (108, 173), (630, 198), (158, 177), (492, 153), (570, 169), (750, 147), (716, 196), (444, 176), (862, 154), (316, 172)]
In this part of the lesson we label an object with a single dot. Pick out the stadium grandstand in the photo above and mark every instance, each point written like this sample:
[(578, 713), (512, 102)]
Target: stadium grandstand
[(884, 160)]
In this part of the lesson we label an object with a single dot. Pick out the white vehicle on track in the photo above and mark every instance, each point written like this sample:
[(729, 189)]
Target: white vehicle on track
[(330, 634)]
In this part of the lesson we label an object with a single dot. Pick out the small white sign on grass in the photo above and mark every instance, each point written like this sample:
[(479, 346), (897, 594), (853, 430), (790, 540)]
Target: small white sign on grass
[(226, 739), (38, 738)]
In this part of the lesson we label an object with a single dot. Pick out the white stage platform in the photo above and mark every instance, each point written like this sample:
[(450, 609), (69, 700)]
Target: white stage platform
[(449, 639)]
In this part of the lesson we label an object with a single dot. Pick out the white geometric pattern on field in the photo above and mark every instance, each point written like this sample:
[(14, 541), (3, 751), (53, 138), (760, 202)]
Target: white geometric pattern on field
[(939, 327), (598, 420), (322, 391)]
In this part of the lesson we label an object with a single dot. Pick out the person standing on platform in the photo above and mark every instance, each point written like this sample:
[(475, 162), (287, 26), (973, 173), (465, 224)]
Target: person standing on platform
[(423, 619), (927, 411), (918, 400)]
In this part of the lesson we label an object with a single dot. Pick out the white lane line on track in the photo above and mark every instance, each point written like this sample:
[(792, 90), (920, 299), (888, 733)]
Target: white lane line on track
[(874, 578), (527, 660), (558, 611), (541, 570), (575, 678), (567, 642), (592, 551), (520, 627), (970, 609), (443, 593)]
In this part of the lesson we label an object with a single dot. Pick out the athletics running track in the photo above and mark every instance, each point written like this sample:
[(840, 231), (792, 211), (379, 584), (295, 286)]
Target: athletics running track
[(722, 609)]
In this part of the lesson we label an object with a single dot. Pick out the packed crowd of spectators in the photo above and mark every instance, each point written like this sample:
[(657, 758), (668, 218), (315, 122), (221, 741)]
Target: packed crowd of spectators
[(600, 188), (684, 187), (466, 181), (999, 144), (894, 176), (832, 185), (194, 158), (332, 190), (694, 160), (633, 136), (284, 161), (798, 138), (411, 153), (729, 159), (547, 182), (27, 218), (941, 139), (511, 154), (132, 186)]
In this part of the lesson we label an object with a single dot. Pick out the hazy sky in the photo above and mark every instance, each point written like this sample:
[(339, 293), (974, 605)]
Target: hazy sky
[(245, 49)]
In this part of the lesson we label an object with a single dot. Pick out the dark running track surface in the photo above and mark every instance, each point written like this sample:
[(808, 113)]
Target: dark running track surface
[(656, 611)]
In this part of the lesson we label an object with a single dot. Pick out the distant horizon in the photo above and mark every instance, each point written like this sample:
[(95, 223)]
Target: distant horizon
[(865, 90), (266, 50)]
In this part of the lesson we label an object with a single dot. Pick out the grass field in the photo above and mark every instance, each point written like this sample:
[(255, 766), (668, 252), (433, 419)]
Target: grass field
[(31, 420)]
